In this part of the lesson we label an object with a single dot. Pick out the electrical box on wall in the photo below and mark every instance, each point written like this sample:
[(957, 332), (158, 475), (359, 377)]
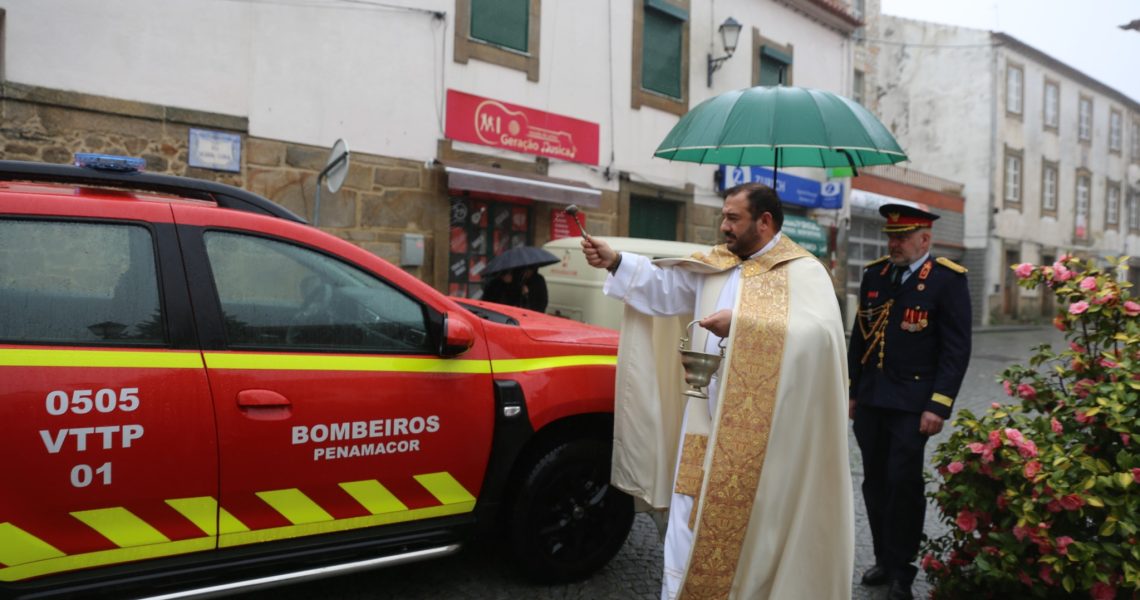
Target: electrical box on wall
[(412, 250)]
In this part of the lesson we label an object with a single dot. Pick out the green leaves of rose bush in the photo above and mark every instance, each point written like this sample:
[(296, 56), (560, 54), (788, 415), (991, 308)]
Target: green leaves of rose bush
[(1042, 497)]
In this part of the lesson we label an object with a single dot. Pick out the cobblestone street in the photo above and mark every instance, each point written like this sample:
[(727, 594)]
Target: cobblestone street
[(635, 573)]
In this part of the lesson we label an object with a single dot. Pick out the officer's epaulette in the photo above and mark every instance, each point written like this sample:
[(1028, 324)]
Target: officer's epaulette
[(876, 261), (949, 264)]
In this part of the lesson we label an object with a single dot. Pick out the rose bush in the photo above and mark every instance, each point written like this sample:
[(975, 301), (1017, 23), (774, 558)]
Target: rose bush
[(1042, 496)]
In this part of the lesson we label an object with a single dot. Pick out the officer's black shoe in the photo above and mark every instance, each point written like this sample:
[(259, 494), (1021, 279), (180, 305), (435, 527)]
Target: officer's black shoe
[(899, 590), (876, 575)]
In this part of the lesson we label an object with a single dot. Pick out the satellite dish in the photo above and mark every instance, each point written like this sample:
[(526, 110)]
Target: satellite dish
[(334, 173), (1134, 176)]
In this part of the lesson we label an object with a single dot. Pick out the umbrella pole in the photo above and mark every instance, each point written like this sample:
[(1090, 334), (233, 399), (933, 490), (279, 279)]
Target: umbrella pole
[(776, 172), (851, 161)]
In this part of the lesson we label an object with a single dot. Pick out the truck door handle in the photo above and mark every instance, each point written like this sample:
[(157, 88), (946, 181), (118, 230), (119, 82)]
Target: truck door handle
[(264, 405)]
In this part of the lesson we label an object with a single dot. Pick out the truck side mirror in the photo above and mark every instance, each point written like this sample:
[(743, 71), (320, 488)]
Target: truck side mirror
[(458, 336)]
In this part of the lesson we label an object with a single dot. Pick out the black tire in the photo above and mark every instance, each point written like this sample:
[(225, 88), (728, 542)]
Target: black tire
[(567, 521)]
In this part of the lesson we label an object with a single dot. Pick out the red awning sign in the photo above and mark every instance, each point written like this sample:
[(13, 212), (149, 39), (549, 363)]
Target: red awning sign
[(501, 125)]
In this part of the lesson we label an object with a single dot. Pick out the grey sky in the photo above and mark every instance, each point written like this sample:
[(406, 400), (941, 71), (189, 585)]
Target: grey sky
[(1082, 34)]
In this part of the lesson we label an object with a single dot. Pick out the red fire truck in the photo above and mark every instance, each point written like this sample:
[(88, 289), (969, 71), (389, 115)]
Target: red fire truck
[(201, 392)]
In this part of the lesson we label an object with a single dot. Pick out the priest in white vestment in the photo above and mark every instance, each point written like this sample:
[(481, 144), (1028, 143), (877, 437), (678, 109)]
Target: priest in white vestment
[(756, 478)]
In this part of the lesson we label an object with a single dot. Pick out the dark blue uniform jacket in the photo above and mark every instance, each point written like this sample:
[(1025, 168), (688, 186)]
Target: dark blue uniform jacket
[(912, 359)]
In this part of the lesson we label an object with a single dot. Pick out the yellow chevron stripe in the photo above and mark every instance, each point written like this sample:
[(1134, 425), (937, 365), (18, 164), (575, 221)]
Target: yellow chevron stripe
[(373, 496), (203, 511), (121, 526), (324, 362), (292, 531), (294, 505), (445, 488), (18, 546), (105, 557), (551, 362), (158, 359)]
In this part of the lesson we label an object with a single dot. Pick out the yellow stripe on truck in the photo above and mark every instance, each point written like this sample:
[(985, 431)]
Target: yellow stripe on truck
[(121, 526), (294, 505), (144, 359), (27, 556), (18, 546), (180, 359)]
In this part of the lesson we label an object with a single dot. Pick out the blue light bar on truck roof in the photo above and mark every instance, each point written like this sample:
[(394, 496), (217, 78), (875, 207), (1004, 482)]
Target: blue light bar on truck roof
[(110, 162)]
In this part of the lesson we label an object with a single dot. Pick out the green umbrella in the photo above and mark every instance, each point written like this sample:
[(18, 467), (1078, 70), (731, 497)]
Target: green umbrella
[(781, 126)]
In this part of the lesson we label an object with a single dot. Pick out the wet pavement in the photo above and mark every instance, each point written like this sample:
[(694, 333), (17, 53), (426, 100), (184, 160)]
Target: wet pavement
[(477, 572)]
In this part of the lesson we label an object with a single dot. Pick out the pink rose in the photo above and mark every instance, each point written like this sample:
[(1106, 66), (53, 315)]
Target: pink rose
[(1014, 435), (1104, 298), (955, 467), (1059, 323), (1027, 449), (976, 447), (995, 439), (1046, 574), (1056, 425), (1131, 308), (1061, 272), (1020, 531), (1024, 270), (1054, 506), (1082, 418), (1104, 362), (1102, 591), (1088, 283), (1008, 387), (1075, 347), (1063, 544), (1032, 468), (1025, 579), (1072, 502), (1026, 391), (1083, 387), (1135, 474), (967, 521), (1077, 308), (1064, 258), (1002, 502), (1124, 437)]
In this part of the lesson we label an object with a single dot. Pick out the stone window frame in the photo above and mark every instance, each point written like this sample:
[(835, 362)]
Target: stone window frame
[(640, 96), (467, 47), (859, 87), (1019, 156), (1015, 110), (1047, 166), (1055, 126), (1109, 187), (758, 43), (1115, 135), (1082, 174), (1084, 134)]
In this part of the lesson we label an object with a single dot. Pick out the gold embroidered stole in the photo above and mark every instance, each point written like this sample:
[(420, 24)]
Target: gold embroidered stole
[(744, 419)]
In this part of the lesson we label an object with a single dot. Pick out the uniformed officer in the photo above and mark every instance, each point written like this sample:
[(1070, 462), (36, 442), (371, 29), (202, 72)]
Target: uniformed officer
[(909, 349)]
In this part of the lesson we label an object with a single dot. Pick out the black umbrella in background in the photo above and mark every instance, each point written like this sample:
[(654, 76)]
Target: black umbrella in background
[(515, 258)]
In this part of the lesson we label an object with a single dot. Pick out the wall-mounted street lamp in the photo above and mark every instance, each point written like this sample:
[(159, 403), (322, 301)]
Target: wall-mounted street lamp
[(729, 35)]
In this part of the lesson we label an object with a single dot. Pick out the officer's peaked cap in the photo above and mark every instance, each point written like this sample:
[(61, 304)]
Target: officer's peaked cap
[(902, 218)]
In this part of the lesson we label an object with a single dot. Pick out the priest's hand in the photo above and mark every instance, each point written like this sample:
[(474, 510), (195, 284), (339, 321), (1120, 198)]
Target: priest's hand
[(930, 424), (599, 254), (719, 322)]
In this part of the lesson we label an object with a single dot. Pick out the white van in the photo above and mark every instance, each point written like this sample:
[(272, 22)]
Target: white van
[(575, 288)]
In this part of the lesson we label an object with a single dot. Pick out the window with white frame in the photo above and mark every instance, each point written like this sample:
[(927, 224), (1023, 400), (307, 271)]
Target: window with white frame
[(1135, 141), (1133, 214), (1012, 177), (1115, 131), (1049, 188), (1084, 119), (1084, 185), (1052, 104), (857, 83), (1014, 77), (1112, 205)]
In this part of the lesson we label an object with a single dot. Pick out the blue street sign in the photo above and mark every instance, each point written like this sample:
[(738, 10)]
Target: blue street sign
[(792, 189)]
